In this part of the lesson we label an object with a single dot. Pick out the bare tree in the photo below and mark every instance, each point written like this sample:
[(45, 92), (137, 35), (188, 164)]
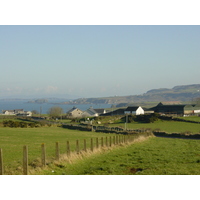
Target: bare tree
[(55, 112)]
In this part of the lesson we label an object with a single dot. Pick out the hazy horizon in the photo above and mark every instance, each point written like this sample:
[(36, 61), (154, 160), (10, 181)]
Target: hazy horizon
[(96, 61)]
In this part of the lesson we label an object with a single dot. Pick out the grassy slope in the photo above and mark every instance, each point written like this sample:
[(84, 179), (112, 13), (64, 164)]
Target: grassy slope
[(155, 156)]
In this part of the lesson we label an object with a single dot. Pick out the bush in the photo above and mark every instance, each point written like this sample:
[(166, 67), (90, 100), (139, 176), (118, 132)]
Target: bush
[(16, 124), (146, 118)]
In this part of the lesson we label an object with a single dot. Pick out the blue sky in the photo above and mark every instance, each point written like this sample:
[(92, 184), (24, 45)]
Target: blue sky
[(96, 61)]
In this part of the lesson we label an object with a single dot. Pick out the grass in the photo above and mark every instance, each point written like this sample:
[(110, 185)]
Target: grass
[(12, 141), (191, 118), (167, 126), (155, 156)]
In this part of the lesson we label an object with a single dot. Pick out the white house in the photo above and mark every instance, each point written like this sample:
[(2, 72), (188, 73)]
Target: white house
[(134, 110)]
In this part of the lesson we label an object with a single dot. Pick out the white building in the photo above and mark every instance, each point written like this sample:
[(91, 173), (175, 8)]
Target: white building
[(134, 110)]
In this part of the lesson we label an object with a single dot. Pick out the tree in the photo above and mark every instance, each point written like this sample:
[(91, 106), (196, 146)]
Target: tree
[(55, 111)]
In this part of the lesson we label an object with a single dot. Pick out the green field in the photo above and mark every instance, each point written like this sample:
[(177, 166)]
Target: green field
[(191, 118), (12, 141), (167, 126), (154, 156), (152, 152)]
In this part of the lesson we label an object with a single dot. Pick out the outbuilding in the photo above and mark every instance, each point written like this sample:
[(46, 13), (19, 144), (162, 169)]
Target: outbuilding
[(134, 110)]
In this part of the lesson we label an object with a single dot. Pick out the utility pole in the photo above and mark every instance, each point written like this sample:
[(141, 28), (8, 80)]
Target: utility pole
[(126, 120), (40, 111)]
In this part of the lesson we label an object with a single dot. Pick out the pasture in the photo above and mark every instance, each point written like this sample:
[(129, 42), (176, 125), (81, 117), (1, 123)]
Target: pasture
[(12, 141), (192, 118), (154, 156), (166, 126)]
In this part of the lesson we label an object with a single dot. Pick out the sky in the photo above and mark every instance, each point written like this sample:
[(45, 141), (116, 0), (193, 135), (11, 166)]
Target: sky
[(96, 60)]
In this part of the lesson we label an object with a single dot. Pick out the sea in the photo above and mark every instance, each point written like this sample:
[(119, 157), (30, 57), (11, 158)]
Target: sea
[(44, 107)]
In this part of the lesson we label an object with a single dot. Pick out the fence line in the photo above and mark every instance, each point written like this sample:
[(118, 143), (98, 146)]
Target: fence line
[(57, 151), (68, 149), (102, 142), (77, 147), (109, 142), (85, 145), (25, 160), (1, 162), (43, 154), (91, 146), (97, 143)]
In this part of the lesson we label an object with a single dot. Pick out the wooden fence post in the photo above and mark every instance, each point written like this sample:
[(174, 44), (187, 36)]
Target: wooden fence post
[(102, 142), (85, 145), (57, 151), (97, 143), (25, 160), (43, 155), (106, 141), (114, 140), (91, 144), (110, 141), (77, 147), (68, 148), (1, 162)]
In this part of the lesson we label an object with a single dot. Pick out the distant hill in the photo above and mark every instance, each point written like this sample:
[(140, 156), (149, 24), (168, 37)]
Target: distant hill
[(178, 93)]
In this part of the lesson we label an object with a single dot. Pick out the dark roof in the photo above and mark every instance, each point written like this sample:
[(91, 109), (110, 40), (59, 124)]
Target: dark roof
[(115, 112), (91, 111), (169, 108), (72, 109), (99, 110), (132, 108)]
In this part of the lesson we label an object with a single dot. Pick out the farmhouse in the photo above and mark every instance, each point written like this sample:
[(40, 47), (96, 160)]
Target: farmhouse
[(134, 110), (74, 112), (19, 112)]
